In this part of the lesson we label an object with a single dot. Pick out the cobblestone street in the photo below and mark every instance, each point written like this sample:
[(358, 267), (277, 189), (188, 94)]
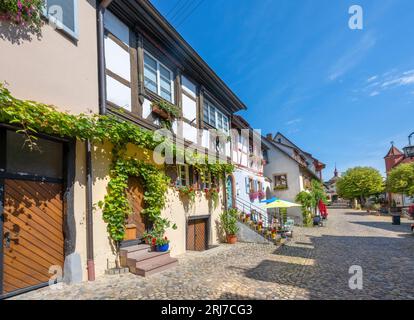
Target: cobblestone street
[(314, 265)]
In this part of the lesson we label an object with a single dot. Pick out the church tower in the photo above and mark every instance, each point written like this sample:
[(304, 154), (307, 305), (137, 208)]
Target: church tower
[(393, 157)]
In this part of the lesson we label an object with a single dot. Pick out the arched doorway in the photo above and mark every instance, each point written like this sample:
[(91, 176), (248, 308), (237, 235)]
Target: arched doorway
[(231, 201)]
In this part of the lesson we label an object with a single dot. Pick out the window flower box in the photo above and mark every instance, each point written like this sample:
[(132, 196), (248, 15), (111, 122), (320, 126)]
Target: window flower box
[(253, 196), (261, 195), (165, 110), (280, 187), (23, 13)]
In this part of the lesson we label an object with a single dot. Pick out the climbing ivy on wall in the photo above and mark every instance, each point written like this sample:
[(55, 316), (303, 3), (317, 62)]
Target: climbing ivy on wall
[(33, 117), (116, 207)]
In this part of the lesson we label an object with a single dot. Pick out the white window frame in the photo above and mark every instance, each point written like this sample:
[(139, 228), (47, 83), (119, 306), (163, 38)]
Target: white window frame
[(226, 129), (159, 77), (60, 25)]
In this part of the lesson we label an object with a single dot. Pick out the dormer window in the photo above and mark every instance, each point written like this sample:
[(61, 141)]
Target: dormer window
[(158, 78)]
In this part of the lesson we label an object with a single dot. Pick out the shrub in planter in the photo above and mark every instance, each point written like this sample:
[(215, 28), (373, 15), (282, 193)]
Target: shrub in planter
[(228, 221)]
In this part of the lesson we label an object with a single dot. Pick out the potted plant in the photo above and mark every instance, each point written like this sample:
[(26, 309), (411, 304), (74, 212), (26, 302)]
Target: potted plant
[(165, 110), (274, 233), (187, 192), (228, 221), (242, 216), (147, 236), (162, 244), (259, 225), (247, 217)]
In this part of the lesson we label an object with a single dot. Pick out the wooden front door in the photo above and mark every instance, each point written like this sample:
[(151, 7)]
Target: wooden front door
[(135, 194), (32, 232), (197, 236)]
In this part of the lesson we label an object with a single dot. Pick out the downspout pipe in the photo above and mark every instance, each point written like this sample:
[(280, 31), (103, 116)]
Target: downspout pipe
[(102, 5), (89, 213)]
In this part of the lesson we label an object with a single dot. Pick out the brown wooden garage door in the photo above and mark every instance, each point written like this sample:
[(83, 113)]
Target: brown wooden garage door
[(32, 232), (197, 239)]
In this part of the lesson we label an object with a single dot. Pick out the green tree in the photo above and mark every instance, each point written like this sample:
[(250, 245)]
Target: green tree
[(305, 199), (310, 200), (401, 179), (360, 183)]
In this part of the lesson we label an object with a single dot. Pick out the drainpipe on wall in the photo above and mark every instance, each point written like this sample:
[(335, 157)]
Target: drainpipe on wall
[(89, 214), (101, 54)]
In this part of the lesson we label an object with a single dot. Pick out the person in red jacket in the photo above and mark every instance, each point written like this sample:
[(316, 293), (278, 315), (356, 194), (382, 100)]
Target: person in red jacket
[(323, 210)]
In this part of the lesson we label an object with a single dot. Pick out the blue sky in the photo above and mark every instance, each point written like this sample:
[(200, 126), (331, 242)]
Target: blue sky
[(341, 94)]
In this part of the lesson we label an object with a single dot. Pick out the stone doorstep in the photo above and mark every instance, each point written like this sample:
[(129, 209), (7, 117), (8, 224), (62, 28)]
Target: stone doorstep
[(146, 268), (115, 271)]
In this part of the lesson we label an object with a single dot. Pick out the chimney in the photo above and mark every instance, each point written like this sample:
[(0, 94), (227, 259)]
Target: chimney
[(269, 136)]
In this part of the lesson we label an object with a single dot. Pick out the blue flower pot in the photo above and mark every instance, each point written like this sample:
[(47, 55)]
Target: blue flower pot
[(163, 248)]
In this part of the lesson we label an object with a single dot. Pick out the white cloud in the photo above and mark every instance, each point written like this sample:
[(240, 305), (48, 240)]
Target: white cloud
[(389, 80), (352, 57), (293, 121), (372, 78)]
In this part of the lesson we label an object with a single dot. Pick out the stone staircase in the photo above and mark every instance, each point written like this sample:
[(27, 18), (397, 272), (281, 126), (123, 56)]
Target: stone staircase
[(143, 262), (249, 230)]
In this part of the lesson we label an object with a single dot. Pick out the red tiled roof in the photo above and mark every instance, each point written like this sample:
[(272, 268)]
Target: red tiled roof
[(394, 152)]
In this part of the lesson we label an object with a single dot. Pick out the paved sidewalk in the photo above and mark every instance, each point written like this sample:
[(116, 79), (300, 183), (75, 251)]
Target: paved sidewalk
[(314, 265)]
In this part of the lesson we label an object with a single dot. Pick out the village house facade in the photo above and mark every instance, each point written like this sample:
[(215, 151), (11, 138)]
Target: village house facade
[(248, 182), (290, 169), (115, 58)]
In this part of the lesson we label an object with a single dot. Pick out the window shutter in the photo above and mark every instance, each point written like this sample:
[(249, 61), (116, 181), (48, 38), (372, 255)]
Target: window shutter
[(247, 185)]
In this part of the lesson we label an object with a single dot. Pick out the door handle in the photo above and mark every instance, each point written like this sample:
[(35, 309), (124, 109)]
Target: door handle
[(8, 240)]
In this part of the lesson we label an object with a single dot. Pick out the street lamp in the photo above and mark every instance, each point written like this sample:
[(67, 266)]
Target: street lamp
[(409, 150)]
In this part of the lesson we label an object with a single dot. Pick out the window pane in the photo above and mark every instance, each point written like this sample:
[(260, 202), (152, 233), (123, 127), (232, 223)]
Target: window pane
[(225, 124), (150, 79), (166, 95), (165, 73), (166, 85), (219, 121), (150, 62), (212, 120), (205, 112), (63, 11), (45, 161)]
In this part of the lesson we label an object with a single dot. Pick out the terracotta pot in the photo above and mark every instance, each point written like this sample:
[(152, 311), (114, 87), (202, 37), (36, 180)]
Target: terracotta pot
[(231, 239), (160, 112)]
